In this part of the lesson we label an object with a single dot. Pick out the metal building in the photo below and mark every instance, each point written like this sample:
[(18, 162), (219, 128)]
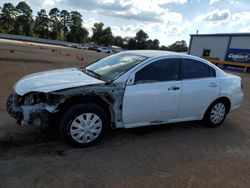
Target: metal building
[(232, 47)]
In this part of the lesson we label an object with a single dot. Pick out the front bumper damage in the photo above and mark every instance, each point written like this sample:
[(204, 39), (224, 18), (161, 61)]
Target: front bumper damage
[(44, 106), (37, 114)]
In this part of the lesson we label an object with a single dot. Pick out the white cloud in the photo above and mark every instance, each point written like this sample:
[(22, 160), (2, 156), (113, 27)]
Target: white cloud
[(213, 1), (245, 29), (242, 18), (166, 33), (88, 23), (160, 2), (215, 17), (142, 10), (51, 2), (45, 3), (224, 21), (234, 2), (225, 18), (148, 15)]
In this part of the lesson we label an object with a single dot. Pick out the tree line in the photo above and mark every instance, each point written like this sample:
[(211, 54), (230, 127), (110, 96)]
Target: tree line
[(67, 26)]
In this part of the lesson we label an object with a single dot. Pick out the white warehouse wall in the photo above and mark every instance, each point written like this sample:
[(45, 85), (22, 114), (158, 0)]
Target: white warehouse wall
[(241, 42), (217, 44)]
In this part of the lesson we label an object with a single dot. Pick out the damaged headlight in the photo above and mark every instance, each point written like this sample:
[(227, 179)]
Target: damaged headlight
[(34, 98), (29, 100)]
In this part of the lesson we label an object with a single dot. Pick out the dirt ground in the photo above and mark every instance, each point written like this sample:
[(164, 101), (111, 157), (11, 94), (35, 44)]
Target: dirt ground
[(176, 155)]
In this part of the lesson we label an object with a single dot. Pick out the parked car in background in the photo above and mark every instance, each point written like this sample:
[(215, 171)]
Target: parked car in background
[(94, 48), (68, 45), (104, 49), (116, 49), (74, 45), (126, 90), (82, 47), (85, 48)]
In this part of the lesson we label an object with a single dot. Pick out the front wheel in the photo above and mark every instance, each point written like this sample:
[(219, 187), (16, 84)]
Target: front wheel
[(83, 125), (216, 114)]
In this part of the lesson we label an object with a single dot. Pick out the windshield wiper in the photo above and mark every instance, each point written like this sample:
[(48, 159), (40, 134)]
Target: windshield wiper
[(95, 73), (81, 69)]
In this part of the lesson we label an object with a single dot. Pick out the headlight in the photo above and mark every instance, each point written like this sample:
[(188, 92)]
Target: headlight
[(29, 100), (34, 98)]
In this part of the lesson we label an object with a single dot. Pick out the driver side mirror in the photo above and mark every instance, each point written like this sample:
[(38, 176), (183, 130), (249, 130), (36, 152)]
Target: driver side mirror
[(130, 80)]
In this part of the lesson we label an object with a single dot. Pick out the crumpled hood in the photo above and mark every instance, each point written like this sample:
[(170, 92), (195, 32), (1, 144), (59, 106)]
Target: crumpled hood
[(54, 80)]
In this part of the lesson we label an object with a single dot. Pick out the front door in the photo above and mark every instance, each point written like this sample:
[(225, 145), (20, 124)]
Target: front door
[(154, 97)]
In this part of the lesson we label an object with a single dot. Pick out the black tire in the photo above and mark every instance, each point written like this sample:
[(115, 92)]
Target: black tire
[(75, 111), (208, 120)]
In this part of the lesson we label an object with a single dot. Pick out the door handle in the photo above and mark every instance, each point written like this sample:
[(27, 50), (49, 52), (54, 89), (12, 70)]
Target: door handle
[(173, 88), (213, 85)]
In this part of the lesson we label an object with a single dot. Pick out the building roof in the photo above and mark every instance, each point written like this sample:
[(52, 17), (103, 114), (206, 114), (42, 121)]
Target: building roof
[(222, 34)]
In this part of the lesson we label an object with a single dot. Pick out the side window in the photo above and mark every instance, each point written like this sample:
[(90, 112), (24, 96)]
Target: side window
[(196, 69), (206, 52), (159, 71)]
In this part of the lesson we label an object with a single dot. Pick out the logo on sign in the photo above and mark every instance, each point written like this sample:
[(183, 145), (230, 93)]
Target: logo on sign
[(238, 55), (241, 57)]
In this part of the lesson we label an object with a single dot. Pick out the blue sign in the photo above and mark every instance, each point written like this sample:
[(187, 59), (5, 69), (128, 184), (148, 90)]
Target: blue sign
[(238, 55), (234, 68)]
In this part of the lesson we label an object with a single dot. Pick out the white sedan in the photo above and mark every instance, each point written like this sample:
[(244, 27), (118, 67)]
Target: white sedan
[(125, 90), (104, 49)]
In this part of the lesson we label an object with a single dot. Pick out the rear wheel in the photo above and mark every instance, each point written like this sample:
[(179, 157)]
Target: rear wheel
[(83, 125), (216, 113)]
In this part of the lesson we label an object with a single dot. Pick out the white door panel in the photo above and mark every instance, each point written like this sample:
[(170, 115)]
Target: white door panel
[(151, 103), (197, 95)]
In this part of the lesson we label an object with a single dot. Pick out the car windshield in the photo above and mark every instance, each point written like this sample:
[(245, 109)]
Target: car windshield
[(111, 67)]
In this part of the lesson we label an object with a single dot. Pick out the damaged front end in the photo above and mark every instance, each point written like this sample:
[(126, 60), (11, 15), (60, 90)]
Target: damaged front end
[(32, 108), (37, 108)]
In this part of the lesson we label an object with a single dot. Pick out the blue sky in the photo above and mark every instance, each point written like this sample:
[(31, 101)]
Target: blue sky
[(167, 20)]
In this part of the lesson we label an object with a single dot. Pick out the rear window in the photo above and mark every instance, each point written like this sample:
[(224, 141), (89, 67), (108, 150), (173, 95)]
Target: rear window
[(196, 69)]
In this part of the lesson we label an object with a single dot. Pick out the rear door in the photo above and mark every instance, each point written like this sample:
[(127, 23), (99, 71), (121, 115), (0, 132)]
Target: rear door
[(154, 96), (200, 88)]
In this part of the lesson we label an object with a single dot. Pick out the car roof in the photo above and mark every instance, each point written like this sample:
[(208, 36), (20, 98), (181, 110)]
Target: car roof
[(160, 53), (154, 53)]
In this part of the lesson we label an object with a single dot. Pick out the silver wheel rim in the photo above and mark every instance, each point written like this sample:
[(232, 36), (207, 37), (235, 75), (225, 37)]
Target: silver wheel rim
[(86, 128), (217, 113)]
